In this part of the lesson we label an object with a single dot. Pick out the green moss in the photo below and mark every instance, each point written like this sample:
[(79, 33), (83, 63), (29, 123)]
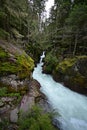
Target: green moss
[(79, 80), (81, 57), (68, 63), (3, 91), (64, 65), (22, 66), (3, 54), (76, 76), (5, 65), (26, 63)]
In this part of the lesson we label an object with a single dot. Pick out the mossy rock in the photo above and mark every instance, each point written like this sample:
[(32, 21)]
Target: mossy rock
[(79, 80), (26, 65), (22, 65), (65, 65), (73, 72), (69, 65), (19, 89), (17, 63)]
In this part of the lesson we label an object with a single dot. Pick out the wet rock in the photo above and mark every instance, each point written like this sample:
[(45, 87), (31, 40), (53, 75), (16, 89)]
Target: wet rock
[(26, 103), (57, 124), (14, 115), (13, 76), (1, 103), (34, 84), (8, 104), (4, 109), (34, 96), (12, 127), (13, 83), (8, 99), (28, 100), (42, 103)]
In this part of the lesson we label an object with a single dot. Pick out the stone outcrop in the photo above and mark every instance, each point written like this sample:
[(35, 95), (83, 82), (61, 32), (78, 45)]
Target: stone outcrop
[(14, 84), (33, 97), (73, 73), (14, 115)]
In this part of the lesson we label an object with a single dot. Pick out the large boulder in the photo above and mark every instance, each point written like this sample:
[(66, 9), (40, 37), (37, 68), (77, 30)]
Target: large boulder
[(73, 73), (33, 97)]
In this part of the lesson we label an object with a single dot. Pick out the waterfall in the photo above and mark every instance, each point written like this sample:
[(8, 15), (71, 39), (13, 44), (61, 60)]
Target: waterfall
[(71, 106)]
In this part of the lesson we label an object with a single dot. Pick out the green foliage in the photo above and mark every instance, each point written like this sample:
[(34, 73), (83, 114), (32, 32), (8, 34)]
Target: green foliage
[(35, 120), (3, 91), (3, 54), (4, 124), (20, 21), (3, 34), (65, 31), (13, 95), (8, 68), (78, 16), (50, 62)]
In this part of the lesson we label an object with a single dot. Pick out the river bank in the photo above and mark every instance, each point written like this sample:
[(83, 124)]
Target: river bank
[(72, 72), (19, 92)]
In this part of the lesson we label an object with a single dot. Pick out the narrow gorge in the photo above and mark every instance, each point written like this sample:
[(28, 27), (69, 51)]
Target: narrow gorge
[(48, 91)]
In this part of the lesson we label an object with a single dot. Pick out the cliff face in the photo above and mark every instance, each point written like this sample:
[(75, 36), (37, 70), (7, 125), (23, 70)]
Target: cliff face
[(18, 90), (15, 74), (15, 66), (73, 73)]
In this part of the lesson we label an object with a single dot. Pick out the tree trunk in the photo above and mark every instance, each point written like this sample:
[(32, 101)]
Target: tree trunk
[(75, 45)]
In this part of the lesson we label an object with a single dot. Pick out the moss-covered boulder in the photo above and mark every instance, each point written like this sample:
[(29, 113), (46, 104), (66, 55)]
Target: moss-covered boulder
[(21, 65), (73, 73), (14, 61)]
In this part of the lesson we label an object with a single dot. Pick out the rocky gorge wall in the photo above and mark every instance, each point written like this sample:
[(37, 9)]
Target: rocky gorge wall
[(15, 74), (19, 92), (73, 73)]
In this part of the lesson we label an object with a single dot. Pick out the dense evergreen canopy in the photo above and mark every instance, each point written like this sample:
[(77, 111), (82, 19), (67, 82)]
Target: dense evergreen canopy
[(63, 33)]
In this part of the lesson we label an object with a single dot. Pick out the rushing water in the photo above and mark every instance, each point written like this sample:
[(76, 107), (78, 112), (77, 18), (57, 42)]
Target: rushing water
[(71, 106)]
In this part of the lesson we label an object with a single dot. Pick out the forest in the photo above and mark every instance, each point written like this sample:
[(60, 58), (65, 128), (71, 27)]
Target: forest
[(64, 32), (25, 33)]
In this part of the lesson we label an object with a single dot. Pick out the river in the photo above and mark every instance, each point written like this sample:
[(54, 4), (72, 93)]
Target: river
[(71, 106)]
